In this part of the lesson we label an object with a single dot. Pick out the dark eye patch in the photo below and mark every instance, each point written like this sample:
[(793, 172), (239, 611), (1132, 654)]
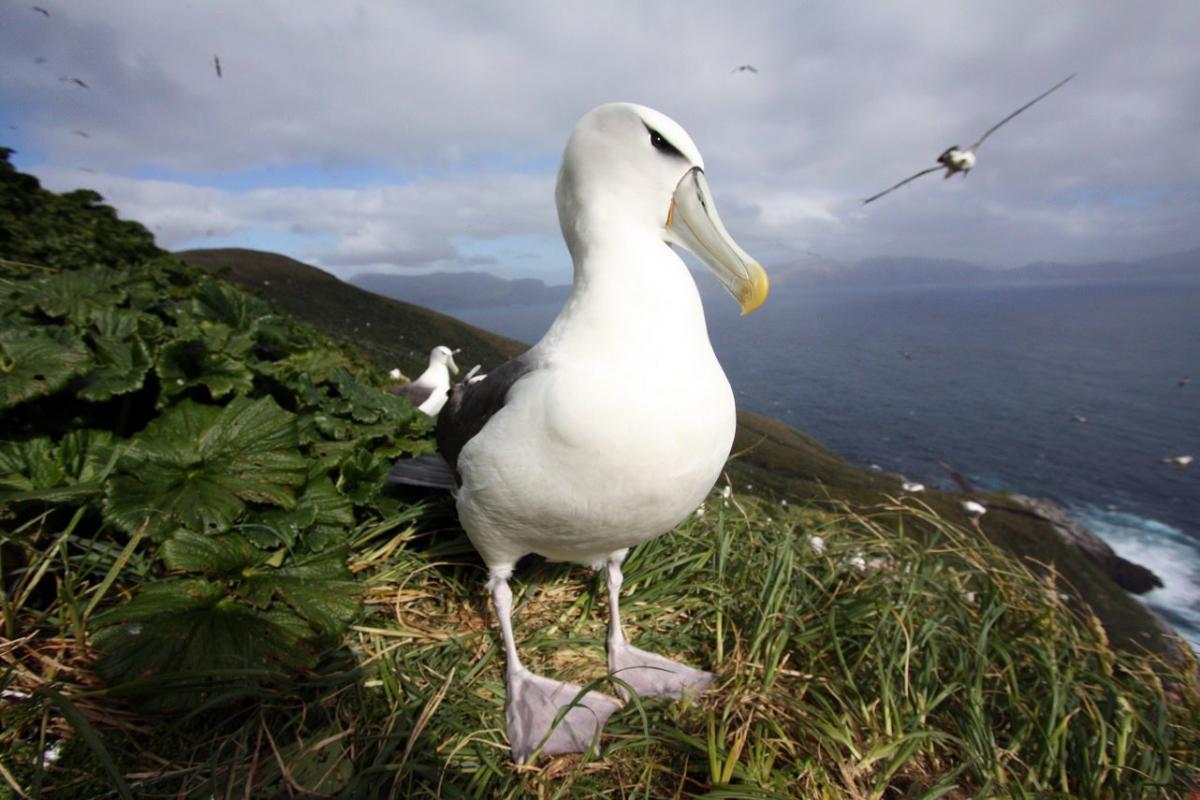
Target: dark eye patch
[(662, 145)]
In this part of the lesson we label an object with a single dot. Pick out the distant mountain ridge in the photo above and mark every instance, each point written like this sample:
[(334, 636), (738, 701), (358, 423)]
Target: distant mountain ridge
[(450, 291), (454, 291)]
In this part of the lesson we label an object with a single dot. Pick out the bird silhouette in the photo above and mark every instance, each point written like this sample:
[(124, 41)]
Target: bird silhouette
[(217, 65), (75, 81), (41, 11), (744, 68), (956, 159)]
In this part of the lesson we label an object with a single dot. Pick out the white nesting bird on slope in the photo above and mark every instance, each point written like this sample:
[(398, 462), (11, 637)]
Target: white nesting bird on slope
[(591, 442), (431, 389), (955, 159)]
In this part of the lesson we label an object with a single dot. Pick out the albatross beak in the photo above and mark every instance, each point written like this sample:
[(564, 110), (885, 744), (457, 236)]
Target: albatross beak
[(693, 222), (450, 363)]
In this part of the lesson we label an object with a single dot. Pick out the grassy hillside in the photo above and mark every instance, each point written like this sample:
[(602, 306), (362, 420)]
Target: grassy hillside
[(207, 591), (768, 454), (389, 332)]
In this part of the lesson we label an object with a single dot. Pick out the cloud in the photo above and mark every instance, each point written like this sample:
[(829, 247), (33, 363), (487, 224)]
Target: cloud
[(426, 135)]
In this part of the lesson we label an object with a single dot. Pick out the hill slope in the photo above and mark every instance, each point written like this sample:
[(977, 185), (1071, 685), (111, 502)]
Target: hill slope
[(767, 453)]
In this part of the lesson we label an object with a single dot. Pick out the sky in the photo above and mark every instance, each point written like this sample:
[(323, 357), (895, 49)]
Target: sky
[(416, 137)]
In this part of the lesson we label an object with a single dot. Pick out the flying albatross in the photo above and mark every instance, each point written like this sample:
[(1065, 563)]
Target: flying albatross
[(432, 387), (956, 159), (614, 427)]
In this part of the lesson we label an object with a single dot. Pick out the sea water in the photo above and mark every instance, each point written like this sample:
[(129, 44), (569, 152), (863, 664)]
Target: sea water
[(1071, 392)]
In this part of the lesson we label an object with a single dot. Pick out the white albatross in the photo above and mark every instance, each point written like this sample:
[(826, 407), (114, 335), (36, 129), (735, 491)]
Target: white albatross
[(431, 389), (589, 444), (955, 159)]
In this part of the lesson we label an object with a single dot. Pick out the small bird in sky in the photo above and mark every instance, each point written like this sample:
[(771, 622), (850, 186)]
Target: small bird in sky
[(81, 133), (41, 11), (75, 81), (744, 68), (955, 159), (217, 65)]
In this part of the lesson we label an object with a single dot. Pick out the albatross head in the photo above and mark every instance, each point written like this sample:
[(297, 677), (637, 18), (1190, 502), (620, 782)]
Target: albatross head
[(631, 169), (443, 355)]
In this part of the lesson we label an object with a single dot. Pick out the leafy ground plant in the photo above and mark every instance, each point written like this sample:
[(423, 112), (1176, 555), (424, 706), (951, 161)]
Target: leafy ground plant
[(150, 407), (207, 593)]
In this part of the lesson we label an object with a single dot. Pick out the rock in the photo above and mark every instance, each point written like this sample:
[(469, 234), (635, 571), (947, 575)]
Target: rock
[(1129, 576)]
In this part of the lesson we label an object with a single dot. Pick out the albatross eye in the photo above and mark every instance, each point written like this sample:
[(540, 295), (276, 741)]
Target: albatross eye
[(661, 144)]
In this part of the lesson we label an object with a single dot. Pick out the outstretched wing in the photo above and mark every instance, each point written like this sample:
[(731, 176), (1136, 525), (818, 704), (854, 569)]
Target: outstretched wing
[(993, 129), (901, 183)]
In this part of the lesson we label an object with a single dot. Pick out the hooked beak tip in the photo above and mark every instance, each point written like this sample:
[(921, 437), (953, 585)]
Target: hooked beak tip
[(753, 292)]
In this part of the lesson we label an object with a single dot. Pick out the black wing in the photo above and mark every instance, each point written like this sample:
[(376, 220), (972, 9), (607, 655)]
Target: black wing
[(413, 391), (992, 129), (471, 405), (901, 183)]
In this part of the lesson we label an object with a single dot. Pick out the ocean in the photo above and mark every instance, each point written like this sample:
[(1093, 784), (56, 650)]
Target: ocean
[(1071, 392)]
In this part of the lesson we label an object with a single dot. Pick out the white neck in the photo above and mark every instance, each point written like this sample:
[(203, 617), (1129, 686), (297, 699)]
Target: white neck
[(631, 294)]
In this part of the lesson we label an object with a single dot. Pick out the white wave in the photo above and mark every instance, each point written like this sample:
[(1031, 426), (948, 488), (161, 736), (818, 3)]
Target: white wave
[(1169, 552)]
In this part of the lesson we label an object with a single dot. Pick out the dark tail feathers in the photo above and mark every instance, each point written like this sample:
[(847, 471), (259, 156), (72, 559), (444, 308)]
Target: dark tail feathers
[(431, 471)]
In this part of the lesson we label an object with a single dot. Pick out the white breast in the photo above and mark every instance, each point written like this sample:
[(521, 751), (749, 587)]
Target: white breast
[(617, 441)]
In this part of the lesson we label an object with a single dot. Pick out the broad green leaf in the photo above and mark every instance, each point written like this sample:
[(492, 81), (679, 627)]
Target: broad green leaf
[(278, 527), (120, 367), (39, 469), (183, 364), (321, 515), (74, 294), (34, 366), (198, 465), (320, 589), (220, 302), (30, 465), (362, 476), (125, 323), (178, 626), (221, 554)]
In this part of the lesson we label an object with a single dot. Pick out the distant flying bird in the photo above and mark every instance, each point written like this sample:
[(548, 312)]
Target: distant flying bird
[(956, 159), (744, 68), (75, 81), (41, 11), (81, 133), (1179, 461), (217, 65), (1078, 418)]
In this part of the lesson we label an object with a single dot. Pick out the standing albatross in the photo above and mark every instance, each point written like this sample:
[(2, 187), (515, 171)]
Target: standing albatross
[(614, 427), (431, 389)]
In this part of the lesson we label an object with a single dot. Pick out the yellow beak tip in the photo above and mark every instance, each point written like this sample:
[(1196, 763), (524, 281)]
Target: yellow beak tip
[(754, 291)]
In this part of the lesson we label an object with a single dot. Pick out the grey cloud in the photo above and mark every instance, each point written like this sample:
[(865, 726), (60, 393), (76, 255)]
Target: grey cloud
[(475, 101)]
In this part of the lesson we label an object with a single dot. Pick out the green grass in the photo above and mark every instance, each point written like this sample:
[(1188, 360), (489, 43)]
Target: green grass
[(942, 669), (780, 461), (912, 657)]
